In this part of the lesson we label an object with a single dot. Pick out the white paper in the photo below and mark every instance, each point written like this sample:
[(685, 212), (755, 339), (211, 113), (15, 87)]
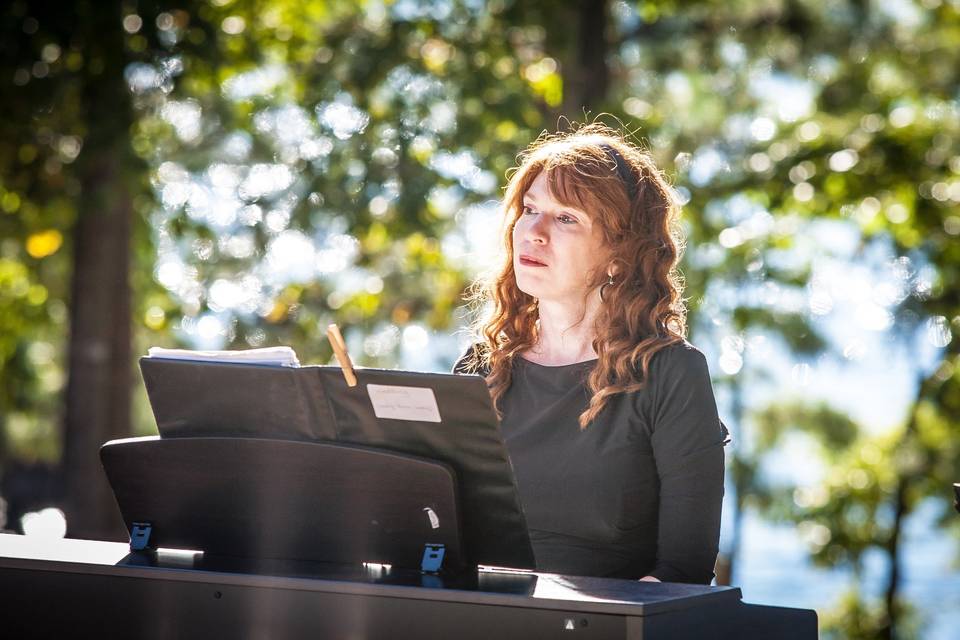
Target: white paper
[(280, 356), (404, 403)]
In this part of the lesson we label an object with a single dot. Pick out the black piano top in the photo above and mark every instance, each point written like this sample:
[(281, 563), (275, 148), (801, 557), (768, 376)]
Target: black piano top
[(487, 586)]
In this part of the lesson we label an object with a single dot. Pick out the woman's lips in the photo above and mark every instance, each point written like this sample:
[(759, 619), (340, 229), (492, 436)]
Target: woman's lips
[(527, 261)]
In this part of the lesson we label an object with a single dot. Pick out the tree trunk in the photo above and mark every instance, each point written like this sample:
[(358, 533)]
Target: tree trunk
[(901, 507), (889, 631), (587, 79), (99, 373), (727, 564)]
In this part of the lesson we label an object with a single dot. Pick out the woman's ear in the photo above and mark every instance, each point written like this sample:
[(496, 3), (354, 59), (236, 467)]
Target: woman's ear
[(613, 269)]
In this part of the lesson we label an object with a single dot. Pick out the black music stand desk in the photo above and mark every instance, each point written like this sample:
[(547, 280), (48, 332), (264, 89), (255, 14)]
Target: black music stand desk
[(80, 588)]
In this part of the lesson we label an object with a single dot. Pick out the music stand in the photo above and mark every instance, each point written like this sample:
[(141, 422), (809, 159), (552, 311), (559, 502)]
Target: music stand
[(290, 463), (285, 500)]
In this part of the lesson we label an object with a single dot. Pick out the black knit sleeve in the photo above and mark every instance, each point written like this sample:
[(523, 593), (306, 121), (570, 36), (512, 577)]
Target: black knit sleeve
[(687, 441)]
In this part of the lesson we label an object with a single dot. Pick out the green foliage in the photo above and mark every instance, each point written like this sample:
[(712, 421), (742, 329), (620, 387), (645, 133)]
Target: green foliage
[(834, 431), (41, 133), (441, 96), (866, 480), (426, 90), (855, 619)]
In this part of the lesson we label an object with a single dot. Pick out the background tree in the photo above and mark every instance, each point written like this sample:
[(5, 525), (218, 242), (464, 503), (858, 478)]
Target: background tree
[(74, 220)]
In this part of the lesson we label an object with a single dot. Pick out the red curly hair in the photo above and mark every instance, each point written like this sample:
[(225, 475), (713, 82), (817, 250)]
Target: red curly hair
[(643, 311)]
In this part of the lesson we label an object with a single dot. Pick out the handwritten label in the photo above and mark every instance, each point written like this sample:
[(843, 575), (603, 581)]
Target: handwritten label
[(404, 403)]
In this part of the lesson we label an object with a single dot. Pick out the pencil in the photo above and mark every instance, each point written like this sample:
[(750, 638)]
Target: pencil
[(340, 351)]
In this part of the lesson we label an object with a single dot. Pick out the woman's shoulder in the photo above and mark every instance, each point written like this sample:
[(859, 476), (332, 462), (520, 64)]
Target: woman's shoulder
[(472, 361), (677, 364), (679, 356)]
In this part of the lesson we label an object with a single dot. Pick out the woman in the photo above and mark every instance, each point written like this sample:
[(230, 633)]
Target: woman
[(607, 413)]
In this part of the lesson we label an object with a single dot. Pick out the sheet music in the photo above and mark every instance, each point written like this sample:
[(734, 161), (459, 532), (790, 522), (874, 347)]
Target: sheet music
[(277, 356)]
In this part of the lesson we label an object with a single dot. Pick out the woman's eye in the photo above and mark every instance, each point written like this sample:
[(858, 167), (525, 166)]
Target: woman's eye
[(527, 210), (565, 219)]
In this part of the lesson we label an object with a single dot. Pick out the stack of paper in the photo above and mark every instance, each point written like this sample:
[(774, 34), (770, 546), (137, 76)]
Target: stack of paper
[(277, 356)]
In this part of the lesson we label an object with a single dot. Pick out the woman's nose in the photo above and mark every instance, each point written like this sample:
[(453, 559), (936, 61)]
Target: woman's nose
[(538, 229)]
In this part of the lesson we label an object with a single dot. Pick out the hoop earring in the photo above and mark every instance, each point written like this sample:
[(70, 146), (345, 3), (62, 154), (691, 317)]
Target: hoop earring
[(605, 285)]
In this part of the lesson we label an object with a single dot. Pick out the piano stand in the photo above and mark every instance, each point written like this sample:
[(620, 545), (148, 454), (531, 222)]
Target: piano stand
[(71, 588)]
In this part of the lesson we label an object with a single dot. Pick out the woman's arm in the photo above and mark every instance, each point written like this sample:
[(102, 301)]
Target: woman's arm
[(687, 440)]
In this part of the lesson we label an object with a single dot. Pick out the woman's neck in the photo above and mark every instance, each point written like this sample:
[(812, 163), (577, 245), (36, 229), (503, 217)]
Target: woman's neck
[(565, 334)]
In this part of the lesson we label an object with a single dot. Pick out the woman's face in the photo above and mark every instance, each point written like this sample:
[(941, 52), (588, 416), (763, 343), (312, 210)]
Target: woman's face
[(556, 250)]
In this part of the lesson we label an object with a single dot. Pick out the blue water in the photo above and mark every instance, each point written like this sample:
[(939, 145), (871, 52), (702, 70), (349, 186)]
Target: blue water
[(776, 570)]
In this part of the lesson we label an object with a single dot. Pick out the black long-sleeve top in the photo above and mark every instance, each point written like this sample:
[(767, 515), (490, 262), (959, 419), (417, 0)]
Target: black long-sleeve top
[(638, 492)]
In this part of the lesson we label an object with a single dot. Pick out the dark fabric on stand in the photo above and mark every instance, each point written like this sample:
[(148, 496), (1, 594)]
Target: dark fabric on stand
[(639, 491)]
